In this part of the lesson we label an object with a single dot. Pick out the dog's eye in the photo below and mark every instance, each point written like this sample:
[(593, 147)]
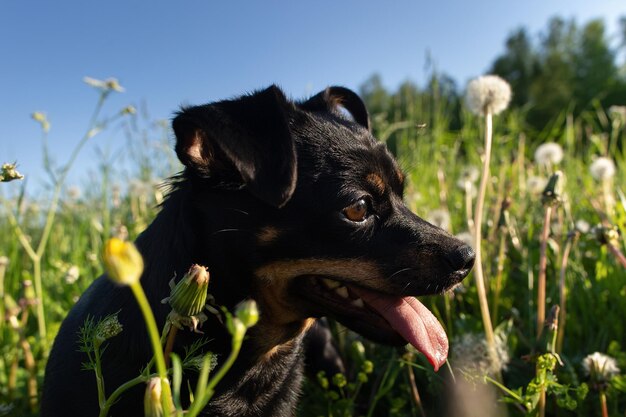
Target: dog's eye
[(356, 212)]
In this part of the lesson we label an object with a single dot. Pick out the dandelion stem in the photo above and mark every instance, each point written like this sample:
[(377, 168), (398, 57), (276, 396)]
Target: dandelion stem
[(617, 253), (478, 219), (206, 390), (415, 391), (603, 406), (499, 273), (571, 238), (153, 333), (169, 345), (541, 276), (468, 207)]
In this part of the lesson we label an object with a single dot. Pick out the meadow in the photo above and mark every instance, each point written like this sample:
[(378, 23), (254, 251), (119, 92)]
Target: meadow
[(551, 238)]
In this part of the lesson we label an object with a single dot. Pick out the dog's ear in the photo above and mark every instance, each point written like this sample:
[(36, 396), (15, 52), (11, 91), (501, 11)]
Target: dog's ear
[(333, 97), (243, 140)]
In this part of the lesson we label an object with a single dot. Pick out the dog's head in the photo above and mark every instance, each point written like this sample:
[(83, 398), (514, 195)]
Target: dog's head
[(329, 232)]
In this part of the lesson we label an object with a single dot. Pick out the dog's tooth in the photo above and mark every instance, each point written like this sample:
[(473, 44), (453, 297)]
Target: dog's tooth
[(342, 291), (329, 283), (358, 303)]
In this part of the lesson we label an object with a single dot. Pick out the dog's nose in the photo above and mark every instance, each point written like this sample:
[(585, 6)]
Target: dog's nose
[(462, 258)]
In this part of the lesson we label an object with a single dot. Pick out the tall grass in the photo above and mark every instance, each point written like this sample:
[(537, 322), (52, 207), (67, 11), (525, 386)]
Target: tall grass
[(582, 272)]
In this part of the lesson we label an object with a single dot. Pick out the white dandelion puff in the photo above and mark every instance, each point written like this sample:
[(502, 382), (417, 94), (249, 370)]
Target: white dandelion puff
[(439, 218), (600, 367), (466, 237), (582, 226), (618, 113), (602, 169), (536, 185), (471, 352), (488, 94), (468, 175), (548, 153)]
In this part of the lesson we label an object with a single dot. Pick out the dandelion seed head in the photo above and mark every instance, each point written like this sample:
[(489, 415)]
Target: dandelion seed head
[(618, 114), (488, 94), (469, 175), (602, 169), (582, 226), (536, 185), (466, 237), (600, 367), (73, 192), (471, 352), (548, 153), (439, 218)]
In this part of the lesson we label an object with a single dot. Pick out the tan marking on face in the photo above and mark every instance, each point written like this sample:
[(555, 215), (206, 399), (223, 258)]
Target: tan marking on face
[(278, 339), (400, 176), (281, 318), (377, 182), (267, 235), (350, 270)]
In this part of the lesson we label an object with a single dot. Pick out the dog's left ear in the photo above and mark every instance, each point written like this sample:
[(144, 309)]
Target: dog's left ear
[(333, 97), (246, 140)]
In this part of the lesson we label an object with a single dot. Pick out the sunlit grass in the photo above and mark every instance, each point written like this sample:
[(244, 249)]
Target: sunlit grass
[(50, 248)]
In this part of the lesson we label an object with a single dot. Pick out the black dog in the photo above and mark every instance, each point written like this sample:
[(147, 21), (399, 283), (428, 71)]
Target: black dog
[(296, 206)]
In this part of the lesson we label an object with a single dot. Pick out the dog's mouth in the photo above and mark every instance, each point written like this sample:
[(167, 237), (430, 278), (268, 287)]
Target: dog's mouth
[(381, 317)]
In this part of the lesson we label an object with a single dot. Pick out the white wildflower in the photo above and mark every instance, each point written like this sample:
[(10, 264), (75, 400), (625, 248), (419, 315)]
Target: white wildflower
[(600, 367), (110, 84), (602, 169), (72, 274), (8, 172), (488, 94), (439, 218), (548, 153), (536, 185)]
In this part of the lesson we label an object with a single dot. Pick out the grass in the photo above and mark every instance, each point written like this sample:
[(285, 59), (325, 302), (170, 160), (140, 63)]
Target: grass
[(42, 238)]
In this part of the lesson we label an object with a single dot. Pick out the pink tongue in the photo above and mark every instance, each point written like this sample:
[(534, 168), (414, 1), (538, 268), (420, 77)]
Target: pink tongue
[(413, 321)]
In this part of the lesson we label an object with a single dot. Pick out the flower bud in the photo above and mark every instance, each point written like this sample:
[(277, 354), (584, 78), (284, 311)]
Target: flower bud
[(122, 261), (552, 193), (9, 173), (248, 312), (235, 327), (188, 297), (152, 400), (129, 110)]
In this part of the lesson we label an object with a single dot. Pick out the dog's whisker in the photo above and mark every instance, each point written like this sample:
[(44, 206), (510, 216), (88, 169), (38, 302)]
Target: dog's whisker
[(229, 230), (399, 272)]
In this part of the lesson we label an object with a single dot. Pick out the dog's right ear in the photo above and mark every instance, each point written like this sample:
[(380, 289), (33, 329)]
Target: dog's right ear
[(245, 141), (335, 96)]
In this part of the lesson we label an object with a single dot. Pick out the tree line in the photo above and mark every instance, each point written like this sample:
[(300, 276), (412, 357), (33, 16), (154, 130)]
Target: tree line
[(567, 67)]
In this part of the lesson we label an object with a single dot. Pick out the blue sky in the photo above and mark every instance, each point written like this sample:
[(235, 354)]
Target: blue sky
[(166, 53)]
